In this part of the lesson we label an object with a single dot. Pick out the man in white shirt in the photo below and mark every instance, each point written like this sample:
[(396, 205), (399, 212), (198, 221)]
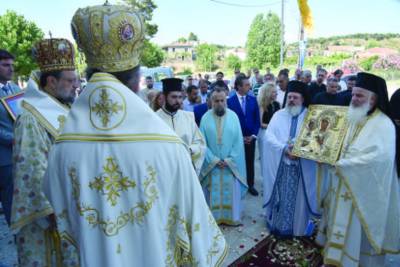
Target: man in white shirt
[(282, 81), (192, 99)]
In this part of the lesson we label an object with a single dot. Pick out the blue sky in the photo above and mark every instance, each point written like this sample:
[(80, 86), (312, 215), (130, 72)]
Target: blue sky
[(222, 24)]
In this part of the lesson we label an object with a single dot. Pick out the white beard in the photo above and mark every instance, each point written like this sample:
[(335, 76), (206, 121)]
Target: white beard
[(294, 110), (355, 115)]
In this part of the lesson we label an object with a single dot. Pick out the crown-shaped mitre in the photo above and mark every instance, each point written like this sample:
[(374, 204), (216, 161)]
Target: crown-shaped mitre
[(110, 36), (54, 54)]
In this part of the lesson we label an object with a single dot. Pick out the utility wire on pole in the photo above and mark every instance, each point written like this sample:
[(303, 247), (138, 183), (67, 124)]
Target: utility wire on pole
[(282, 32)]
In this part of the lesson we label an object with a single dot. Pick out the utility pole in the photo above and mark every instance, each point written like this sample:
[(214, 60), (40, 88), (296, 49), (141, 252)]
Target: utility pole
[(302, 47), (282, 32)]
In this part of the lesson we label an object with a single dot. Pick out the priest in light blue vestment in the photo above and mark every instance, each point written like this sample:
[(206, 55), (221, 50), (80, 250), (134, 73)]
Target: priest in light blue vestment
[(223, 174)]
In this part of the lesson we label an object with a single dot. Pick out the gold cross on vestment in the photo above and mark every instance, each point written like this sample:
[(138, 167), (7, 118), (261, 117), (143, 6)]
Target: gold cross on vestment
[(346, 196), (338, 235), (106, 107)]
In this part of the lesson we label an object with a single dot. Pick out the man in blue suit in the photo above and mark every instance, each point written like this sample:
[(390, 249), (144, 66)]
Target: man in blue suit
[(246, 108), (200, 110), (6, 132)]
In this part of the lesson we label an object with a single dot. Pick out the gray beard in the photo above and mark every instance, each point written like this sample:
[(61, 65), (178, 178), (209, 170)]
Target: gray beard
[(219, 112), (355, 115), (294, 110)]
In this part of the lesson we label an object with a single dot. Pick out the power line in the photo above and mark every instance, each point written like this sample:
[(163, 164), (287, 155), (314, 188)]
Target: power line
[(241, 5)]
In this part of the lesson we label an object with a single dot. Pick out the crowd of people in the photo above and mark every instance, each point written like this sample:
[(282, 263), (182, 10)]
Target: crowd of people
[(126, 176)]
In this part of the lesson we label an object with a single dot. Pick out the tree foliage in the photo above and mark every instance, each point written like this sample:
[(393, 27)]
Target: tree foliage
[(367, 63), (233, 62), (333, 60), (152, 55), (193, 37), (206, 57), (145, 8), (263, 41), (182, 40), (363, 36), (18, 35)]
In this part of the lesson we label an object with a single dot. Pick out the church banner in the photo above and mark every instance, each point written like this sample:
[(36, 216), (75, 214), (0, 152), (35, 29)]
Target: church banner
[(322, 134)]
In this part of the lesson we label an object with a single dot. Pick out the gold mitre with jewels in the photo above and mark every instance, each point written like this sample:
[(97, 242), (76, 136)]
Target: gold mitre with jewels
[(54, 54), (110, 36)]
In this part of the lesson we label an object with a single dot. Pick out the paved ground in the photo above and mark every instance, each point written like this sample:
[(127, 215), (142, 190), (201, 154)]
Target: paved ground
[(8, 252), (240, 239)]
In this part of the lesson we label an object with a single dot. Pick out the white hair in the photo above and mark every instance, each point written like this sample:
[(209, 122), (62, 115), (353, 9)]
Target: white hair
[(355, 115), (294, 110)]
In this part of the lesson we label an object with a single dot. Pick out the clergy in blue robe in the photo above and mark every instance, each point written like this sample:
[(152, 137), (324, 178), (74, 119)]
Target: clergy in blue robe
[(223, 174), (289, 182)]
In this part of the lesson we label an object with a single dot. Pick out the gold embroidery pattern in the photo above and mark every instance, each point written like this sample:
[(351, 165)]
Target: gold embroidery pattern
[(106, 107), (111, 182), (61, 119), (135, 215), (213, 250), (179, 254)]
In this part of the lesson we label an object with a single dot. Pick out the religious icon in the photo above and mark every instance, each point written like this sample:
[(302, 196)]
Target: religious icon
[(322, 134), (12, 103), (126, 32)]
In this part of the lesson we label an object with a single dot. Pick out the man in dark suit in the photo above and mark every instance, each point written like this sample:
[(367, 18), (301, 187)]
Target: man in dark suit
[(318, 86), (246, 108), (6, 132), (200, 110), (331, 96), (345, 96)]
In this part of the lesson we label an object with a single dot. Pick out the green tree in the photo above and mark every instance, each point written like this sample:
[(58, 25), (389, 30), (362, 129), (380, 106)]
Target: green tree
[(182, 40), (233, 62), (193, 37), (263, 41), (372, 43), (367, 63), (18, 35), (145, 8), (152, 55), (206, 57)]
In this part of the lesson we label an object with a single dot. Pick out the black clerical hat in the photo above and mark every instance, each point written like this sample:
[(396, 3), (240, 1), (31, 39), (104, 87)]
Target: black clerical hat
[(301, 88), (376, 85), (171, 84), (383, 97), (394, 106), (367, 81)]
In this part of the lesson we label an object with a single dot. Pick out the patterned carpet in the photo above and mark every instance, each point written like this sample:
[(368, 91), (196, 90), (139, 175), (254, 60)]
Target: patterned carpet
[(277, 252)]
